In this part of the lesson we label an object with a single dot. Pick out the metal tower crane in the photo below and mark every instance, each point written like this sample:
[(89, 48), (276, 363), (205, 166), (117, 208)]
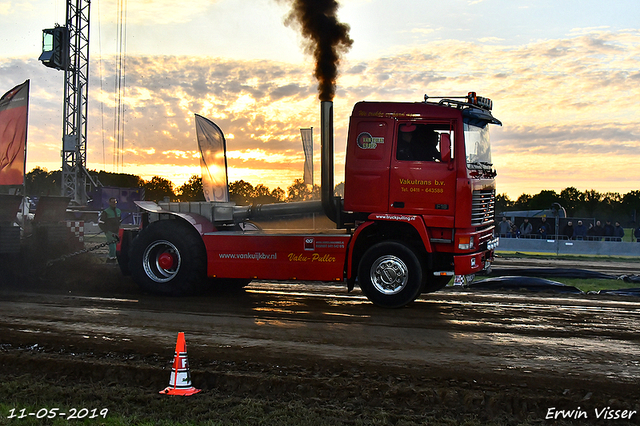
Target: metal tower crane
[(67, 48)]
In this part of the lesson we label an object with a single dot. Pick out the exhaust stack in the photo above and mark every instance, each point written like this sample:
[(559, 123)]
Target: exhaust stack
[(326, 148)]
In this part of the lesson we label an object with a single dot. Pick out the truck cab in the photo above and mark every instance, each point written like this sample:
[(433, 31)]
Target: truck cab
[(423, 172)]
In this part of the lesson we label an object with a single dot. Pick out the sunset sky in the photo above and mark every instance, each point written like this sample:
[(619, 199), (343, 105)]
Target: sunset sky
[(564, 77)]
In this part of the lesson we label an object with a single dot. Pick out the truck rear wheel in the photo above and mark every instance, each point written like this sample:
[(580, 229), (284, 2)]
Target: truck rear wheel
[(229, 285), (168, 257), (125, 244), (390, 274)]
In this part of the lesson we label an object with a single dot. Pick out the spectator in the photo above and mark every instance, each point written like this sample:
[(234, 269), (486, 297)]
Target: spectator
[(109, 223), (618, 232), (568, 230), (542, 232), (591, 233), (607, 231), (546, 225), (636, 234), (580, 231), (598, 231), (525, 228), (504, 227)]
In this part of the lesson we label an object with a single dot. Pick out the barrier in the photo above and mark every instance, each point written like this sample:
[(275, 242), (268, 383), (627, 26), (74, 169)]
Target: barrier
[(559, 246)]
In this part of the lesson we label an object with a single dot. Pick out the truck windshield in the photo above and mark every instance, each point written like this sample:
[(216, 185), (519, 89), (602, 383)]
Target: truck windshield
[(476, 140)]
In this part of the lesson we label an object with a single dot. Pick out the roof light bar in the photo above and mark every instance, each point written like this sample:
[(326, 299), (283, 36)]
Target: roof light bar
[(480, 101), (471, 98)]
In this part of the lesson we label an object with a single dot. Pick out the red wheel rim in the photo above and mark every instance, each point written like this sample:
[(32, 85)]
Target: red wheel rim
[(166, 261)]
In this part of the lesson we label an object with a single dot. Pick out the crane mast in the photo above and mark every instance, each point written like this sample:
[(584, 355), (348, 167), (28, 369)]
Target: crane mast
[(67, 48), (76, 89)]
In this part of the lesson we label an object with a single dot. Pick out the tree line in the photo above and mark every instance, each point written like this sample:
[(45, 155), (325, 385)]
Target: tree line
[(584, 204), (578, 204), (40, 182)]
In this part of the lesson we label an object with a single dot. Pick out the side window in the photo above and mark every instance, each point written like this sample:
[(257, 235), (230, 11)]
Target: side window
[(420, 142)]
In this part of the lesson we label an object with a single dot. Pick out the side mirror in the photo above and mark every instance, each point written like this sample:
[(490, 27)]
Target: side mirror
[(445, 147)]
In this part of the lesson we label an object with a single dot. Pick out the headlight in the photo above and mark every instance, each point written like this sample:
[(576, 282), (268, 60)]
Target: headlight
[(465, 243)]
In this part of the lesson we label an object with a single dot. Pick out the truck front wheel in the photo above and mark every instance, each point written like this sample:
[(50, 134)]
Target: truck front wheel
[(390, 274), (168, 257), (435, 283)]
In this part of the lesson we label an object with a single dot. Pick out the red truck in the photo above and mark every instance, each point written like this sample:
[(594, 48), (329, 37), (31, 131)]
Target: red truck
[(418, 208)]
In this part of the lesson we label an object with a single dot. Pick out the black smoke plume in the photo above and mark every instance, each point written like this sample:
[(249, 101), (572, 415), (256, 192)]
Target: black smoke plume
[(327, 39)]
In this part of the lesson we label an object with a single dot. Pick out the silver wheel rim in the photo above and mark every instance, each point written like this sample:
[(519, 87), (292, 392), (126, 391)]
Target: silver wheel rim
[(389, 275), (150, 261)]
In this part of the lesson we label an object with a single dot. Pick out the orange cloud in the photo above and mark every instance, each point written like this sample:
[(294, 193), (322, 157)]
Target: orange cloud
[(569, 107)]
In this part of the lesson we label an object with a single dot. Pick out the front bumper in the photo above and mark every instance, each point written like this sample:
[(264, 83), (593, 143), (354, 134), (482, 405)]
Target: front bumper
[(467, 264)]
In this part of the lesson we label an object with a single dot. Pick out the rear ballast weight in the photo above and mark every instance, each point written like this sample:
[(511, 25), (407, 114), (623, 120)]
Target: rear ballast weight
[(418, 209)]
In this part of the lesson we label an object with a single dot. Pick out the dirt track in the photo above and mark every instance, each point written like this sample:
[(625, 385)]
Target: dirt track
[(452, 356)]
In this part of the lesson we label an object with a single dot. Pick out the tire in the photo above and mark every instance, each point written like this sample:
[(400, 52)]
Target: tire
[(168, 258), (229, 285), (123, 255), (390, 274), (435, 283)]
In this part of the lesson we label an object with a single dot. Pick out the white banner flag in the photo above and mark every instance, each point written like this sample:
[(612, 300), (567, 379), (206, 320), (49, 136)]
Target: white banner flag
[(213, 160), (307, 146)]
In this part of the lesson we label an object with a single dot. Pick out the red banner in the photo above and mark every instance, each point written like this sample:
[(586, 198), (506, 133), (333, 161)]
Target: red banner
[(13, 134)]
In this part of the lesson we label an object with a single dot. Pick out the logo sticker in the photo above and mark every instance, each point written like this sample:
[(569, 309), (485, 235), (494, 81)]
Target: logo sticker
[(366, 141), (309, 244)]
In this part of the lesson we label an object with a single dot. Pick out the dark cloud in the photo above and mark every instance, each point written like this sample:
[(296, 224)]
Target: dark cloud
[(595, 139), (357, 69), (602, 43), (290, 90)]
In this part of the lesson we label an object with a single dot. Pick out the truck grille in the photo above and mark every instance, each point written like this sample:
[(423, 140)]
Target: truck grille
[(483, 205)]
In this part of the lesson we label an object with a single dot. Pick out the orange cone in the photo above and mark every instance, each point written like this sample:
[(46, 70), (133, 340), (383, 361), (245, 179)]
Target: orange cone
[(180, 380)]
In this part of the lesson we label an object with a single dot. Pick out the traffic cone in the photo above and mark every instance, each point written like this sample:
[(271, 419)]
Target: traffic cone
[(180, 380)]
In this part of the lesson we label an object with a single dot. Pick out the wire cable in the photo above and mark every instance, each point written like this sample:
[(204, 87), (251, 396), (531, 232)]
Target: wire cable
[(120, 87)]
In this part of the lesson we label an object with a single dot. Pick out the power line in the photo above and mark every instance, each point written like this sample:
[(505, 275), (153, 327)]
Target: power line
[(120, 86), (101, 75)]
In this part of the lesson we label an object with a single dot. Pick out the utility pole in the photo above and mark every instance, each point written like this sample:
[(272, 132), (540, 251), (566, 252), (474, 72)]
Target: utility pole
[(67, 48)]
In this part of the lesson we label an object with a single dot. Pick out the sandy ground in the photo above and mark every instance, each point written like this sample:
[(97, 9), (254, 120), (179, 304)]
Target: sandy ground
[(450, 357)]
